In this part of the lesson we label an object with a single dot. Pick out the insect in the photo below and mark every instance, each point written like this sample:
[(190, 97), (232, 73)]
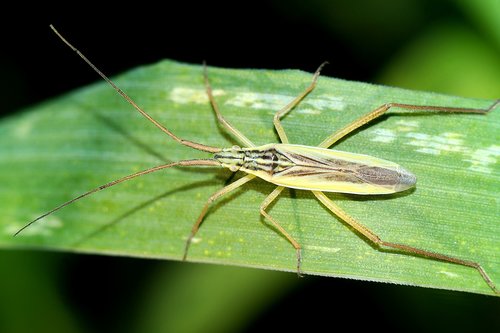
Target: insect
[(317, 169)]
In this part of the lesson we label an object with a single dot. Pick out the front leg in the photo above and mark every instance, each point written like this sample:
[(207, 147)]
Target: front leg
[(281, 113), (212, 198)]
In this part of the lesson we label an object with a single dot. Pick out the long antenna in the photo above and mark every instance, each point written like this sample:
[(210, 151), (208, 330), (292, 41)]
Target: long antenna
[(188, 143), (201, 162)]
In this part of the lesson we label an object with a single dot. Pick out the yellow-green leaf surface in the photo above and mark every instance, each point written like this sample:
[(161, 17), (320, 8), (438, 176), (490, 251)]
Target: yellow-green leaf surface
[(57, 150)]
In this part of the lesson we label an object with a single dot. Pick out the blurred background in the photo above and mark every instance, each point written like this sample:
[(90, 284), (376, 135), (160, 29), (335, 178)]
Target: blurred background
[(448, 46)]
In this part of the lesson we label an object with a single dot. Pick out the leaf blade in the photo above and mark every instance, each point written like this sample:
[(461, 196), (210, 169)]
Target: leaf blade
[(91, 136)]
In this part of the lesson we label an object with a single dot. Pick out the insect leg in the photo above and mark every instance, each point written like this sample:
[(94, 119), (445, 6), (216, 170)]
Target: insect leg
[(220, 118), (401, 247), (281, 113), (212, 198), (329, 141), (270, 198)]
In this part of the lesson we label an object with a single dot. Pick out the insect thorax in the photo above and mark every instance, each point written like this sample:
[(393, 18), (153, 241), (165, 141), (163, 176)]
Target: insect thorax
[(265, 159)]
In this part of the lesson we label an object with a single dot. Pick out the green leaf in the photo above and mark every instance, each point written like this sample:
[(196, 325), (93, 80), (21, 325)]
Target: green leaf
[(57, 150)]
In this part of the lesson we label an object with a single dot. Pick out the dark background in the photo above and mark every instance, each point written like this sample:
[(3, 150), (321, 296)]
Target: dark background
[(374, 41), (359, 38)]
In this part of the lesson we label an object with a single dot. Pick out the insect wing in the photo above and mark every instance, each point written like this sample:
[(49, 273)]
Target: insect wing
[(337, 171)]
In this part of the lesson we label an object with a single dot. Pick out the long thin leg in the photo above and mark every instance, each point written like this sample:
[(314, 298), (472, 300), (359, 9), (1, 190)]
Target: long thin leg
[(401, 247), (212, 198), (270, 198), (329, 141), (123, 179), (281, 113), (220, 118)]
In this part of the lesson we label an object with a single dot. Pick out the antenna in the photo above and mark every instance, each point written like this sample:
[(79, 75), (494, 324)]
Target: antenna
[(188, 143), (198, 146)]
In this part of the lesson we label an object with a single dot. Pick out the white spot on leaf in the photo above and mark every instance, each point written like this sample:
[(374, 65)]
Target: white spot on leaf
[(408, 123), (308, 111), (254, 100), (322, 248), (195, 240), (258, 100), (24, 128), (43, 227), (482, 159), (436, 144), (449, 274), (275, 102), (184, 95), (324, 102), (431, 151), (383, 135)]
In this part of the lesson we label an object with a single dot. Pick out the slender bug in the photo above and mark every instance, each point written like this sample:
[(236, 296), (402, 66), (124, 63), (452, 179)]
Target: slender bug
[(317, 169)]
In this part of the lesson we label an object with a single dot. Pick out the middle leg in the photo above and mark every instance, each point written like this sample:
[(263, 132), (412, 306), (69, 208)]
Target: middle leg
[(270, 198), (374, 114)]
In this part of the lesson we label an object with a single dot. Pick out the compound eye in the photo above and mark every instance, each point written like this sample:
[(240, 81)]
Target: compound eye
[(234, 168), (237, 148)]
